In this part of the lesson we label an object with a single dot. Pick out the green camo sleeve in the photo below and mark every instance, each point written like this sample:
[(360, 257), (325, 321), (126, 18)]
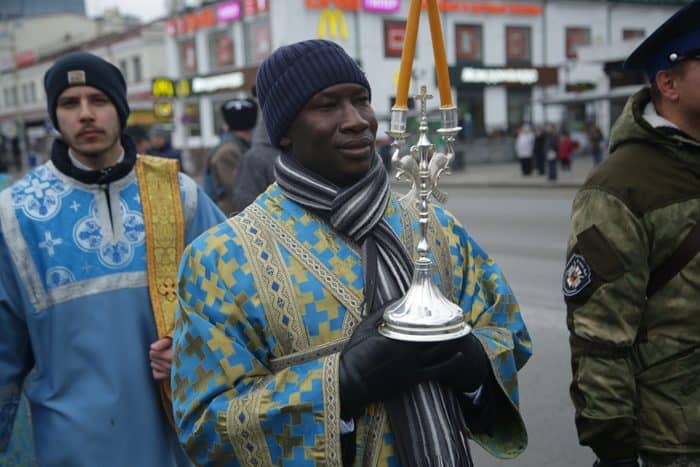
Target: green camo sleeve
[(604, 287)]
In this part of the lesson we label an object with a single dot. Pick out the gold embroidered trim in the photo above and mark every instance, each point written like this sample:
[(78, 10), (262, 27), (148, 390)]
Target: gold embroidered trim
[(271, 276), (159, 190), (375, 435), (298, 358), (244, 430), (351, 301), (331, 411)]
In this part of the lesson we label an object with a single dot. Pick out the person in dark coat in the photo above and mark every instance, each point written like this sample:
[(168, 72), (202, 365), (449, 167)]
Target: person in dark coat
[(256, 170)]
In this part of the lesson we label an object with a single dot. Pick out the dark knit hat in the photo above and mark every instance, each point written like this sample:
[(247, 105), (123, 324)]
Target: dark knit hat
[(240, 114), (86, 69), (293, 74)]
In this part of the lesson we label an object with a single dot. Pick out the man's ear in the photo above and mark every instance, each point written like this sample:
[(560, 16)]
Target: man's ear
[(667, 83)]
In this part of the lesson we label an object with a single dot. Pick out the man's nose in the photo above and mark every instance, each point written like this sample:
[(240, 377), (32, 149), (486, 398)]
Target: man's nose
[(353, 118), (86, 110)]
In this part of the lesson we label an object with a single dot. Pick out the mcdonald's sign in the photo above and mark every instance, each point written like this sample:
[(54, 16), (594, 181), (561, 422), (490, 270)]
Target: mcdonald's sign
[(331, 24)]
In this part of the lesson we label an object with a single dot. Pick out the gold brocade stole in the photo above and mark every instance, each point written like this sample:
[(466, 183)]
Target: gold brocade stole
[(159, 189)]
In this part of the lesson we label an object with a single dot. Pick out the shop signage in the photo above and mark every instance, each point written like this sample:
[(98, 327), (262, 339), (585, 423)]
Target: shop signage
[(228, 11), (332, 23), (191, 22), (162, 87), (488, 8), (347, 5), (208, 84), (163, 109), (370, 6), (253, 7), (381, 6), (495, 76), (392, 6), (168, 88), (25, 58)]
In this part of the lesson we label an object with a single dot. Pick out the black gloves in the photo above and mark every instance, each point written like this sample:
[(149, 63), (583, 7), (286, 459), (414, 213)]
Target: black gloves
[(469, 364), (374, 367), (632, 462)]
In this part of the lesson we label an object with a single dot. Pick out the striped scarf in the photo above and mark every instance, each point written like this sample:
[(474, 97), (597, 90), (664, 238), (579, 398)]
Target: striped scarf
[(427, 420)]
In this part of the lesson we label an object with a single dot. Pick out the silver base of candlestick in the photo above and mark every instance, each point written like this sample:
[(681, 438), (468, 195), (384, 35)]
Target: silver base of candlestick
[(424, 314)]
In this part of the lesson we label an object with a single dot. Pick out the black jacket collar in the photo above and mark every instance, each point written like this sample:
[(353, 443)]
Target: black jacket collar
[(61, 159)]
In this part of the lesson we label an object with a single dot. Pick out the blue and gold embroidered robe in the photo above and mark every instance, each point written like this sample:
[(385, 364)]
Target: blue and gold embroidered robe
[(267, 300), (76, 320)]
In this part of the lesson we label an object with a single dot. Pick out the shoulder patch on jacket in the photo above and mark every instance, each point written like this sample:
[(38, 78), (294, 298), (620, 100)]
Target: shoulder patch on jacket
[(577, 276)]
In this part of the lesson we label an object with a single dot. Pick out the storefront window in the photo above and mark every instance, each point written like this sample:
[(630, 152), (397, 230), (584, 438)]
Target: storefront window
[(188, 56), (468, 42), (191, 118), (518, 45), (576, 37), (394, 32), (258, 38), (519, 108), (221, 49), (628, 34), (470, 102), (136, 65)]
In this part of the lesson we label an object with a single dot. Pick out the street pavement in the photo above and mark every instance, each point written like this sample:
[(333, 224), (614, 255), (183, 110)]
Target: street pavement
[(507, 175), (525, 227)]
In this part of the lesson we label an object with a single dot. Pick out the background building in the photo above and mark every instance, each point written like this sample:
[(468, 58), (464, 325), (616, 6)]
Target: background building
[(26, 8), (510, 63)]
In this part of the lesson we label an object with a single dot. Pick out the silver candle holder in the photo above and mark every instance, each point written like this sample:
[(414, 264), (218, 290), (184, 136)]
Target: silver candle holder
[(423, 314)]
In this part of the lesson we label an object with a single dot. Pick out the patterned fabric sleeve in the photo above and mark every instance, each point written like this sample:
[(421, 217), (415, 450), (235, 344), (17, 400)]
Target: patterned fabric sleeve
[(494, 312), (229, 408)]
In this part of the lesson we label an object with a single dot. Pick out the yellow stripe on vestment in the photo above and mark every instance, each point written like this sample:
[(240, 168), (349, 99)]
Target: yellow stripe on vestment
[(159, 189)]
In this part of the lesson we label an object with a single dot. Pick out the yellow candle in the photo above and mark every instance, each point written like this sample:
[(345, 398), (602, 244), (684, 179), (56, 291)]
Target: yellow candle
[(407, 54), (443, 77)]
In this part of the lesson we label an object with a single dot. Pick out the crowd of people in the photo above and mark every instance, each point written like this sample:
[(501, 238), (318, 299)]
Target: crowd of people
[(148, 321), (546, 150)]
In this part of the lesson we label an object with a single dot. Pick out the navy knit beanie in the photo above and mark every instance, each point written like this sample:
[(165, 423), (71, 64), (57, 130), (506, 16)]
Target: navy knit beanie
[(293, 74), (85, 69)]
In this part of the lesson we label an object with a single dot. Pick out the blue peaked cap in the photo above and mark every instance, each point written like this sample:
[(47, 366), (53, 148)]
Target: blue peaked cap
[(669, 43)]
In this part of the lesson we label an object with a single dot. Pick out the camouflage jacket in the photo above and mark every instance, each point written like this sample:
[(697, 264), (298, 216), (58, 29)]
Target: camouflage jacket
[(635, 360), (267, 300)]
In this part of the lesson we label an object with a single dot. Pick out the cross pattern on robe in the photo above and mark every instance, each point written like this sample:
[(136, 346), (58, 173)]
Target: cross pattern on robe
[(37, 188), (49, 243)]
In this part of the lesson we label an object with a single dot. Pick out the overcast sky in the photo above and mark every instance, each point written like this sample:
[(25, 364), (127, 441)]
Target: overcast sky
[(144, 9)]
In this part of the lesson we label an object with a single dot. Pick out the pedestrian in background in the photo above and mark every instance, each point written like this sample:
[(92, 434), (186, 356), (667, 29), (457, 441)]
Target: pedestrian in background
[(256, 170), (160, 139), (552, 151), (89, 248), (632, 277), (595, 140), (221, 173), (524, 147), (139, 135), (565, 149), (279, 307), (539, 150)]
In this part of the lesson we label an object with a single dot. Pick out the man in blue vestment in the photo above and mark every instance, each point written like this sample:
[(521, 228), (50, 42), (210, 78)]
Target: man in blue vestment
[(278, 360), (77, 324)]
